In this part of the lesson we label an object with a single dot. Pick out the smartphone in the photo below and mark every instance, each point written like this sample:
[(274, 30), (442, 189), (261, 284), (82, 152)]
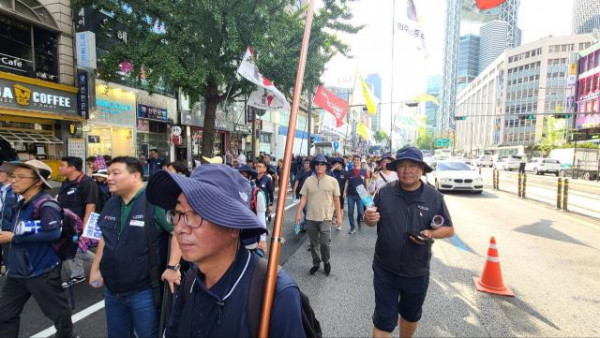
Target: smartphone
[(420, 238)]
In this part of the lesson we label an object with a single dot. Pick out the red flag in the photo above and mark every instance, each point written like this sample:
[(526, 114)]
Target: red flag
[(488, 4), (333, 104)]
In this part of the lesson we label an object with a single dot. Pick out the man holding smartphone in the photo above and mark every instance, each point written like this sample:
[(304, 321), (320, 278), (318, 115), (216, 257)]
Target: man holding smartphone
[(403, 212)]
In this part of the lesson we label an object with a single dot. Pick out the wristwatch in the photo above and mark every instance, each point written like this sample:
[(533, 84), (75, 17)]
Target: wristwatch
[(175, 267)]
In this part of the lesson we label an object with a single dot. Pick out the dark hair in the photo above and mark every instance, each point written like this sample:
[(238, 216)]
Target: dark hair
[(73, 161), (133, 164), (180, 168), (107, 158), (90, 159), (154, 150), (356, 156)]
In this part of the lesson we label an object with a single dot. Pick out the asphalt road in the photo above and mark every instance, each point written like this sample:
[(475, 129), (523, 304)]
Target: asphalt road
[(549, 259)]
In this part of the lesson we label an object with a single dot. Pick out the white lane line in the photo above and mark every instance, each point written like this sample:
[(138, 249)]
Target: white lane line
[(100, 305), (75, 318)]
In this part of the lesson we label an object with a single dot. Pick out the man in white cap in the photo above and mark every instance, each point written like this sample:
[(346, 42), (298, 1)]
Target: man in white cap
[(33, 265)]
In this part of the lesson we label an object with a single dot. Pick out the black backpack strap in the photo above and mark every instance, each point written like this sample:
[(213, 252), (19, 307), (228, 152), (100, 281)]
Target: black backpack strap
[(256, 294), (154, 269)]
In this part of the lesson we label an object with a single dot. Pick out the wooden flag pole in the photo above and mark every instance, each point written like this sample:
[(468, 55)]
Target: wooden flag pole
[(271, 278)]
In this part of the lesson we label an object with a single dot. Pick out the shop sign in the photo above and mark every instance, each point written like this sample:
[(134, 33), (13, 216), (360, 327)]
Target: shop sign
[(143, 125), (151, 113), (24, 96), (86, 50), (176, 130), (114, 105), (176, 139), (83, 98), (243, 129), (15, 63)]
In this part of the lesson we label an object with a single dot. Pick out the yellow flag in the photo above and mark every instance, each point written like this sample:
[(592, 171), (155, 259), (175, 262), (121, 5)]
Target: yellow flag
[(362, 131), (368, 97), (427, 98)]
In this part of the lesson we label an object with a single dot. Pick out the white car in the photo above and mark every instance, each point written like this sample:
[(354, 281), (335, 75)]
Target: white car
[(509, 163), (455, 176), (485, 161), (540, 166)]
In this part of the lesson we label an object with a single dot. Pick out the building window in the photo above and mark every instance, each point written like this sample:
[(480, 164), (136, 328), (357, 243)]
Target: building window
[(28, 50)]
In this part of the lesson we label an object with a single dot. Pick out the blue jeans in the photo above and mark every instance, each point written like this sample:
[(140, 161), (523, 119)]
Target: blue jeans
[(352, 200), (132, 312)]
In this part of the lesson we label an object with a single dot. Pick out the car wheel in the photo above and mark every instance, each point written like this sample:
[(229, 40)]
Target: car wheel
[(535, 171), (556, 173), (478, 191)]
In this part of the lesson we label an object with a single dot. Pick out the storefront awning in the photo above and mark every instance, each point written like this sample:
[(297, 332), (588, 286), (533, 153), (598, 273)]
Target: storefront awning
[(13, 136)]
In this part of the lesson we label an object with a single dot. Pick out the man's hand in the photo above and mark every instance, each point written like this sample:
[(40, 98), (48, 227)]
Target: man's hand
[(96, 280), (269, 208), (338, 220), (372, 216), (6, 237), (297, 219), (172, 277)]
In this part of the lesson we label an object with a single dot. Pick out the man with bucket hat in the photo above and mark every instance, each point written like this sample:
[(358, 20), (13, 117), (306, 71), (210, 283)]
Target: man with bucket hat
[(258, 205), (210, 213), (384, 175), (408, 215), (320, 193), (33, 265)]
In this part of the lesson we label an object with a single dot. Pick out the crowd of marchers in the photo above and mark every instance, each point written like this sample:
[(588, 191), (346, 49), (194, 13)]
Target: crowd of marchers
[(203, 234)]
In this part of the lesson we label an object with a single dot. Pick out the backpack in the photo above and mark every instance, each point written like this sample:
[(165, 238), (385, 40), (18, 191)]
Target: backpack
[(253, 202), (312, 327), (72, 227)]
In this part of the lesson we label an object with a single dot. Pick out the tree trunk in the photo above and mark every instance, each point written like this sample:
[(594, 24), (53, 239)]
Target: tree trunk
[(208, 134)]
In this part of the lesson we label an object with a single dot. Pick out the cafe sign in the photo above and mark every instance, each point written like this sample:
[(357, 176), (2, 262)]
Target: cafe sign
[(23, 96)]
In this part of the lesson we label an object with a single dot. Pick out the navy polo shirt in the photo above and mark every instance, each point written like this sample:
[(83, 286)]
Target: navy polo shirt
[(221, 311)]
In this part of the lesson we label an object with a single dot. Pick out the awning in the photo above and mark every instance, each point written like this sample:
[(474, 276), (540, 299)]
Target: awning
[(13, 136)]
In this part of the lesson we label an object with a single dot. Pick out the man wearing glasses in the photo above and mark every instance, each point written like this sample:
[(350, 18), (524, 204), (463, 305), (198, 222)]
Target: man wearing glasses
[(321, 194), (211, 215), (403, 213), (131, 254), (33, 265)]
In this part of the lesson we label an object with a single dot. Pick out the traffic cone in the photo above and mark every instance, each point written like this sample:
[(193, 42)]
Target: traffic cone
[(491, 278)]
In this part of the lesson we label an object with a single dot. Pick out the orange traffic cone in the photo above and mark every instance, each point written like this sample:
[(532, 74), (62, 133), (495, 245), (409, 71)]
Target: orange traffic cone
[(491, 278)]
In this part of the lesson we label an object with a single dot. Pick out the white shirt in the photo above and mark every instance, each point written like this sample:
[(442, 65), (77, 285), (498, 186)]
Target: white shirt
[(241, 159), (382, 180)]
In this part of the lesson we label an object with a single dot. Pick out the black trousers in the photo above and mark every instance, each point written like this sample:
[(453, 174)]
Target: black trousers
[(50, 296)]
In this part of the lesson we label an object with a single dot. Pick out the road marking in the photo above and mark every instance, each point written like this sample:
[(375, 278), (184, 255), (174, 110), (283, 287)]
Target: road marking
[(100, 305), (75, 318)]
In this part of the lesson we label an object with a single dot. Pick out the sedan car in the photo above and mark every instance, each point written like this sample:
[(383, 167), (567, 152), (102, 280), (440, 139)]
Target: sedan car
[(455, 176), (485, 161), (509, 163), (540, 166)]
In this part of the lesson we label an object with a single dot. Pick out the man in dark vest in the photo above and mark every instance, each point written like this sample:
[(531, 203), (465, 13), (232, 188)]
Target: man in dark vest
[(339, 173), (78, 193), (355, 177), (129, 224)]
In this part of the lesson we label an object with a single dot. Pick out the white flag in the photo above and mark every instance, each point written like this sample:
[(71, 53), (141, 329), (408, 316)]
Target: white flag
[(249, 71), (266, 100)]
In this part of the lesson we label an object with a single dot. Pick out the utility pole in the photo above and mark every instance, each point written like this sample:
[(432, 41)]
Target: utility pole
[(253, 114), (308, 143), (392, 84)]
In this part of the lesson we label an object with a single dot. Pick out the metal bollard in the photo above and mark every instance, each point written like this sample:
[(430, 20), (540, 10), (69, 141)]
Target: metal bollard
[(520, 185), (565, 203), (497, 179), (559, 193), (524, 189)]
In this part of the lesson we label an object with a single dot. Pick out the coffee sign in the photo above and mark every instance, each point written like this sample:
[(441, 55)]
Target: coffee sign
[(24, 96), (14, 63)]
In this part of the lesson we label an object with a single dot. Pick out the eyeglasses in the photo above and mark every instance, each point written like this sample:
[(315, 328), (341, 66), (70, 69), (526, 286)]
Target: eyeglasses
[(190, 218), (20, 177)]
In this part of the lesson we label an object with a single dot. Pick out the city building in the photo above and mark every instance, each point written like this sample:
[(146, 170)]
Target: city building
[(494, 40), (515, 98), (374, 82), (38, 98), (586, 16), (468, 60), (456, 11), (587, 121), (433, 87)]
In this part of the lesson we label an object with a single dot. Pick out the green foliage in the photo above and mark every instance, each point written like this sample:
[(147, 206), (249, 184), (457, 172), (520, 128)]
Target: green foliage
[(204, 41), (551, 137), (381, 135)]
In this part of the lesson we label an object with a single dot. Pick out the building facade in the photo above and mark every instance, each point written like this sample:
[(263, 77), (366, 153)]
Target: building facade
[(38, 98), (515, 98), (495, 38), (587, 120), (586, 16), (433, 87), (468, 60)]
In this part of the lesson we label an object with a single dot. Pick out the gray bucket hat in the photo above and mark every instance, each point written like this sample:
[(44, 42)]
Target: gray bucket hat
[(216, 192)]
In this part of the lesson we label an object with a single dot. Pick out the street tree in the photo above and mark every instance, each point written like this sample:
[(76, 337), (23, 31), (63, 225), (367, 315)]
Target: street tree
[(552, 136), (201, 43)]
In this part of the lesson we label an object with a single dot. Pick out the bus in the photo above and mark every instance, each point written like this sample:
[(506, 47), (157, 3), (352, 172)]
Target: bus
[(504, 151), (442, 154)]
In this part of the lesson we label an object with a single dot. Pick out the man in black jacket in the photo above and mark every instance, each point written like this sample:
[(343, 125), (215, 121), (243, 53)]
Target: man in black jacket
[(403, 212)]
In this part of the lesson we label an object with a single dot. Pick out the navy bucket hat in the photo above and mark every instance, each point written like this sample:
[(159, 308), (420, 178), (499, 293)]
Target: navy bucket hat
[(386, 156), (338, 160), (216, 192), (412, 154), (244, 168), (320, 158)]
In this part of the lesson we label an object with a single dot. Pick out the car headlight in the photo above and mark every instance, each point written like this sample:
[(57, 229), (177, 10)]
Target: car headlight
[(446, 179)]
